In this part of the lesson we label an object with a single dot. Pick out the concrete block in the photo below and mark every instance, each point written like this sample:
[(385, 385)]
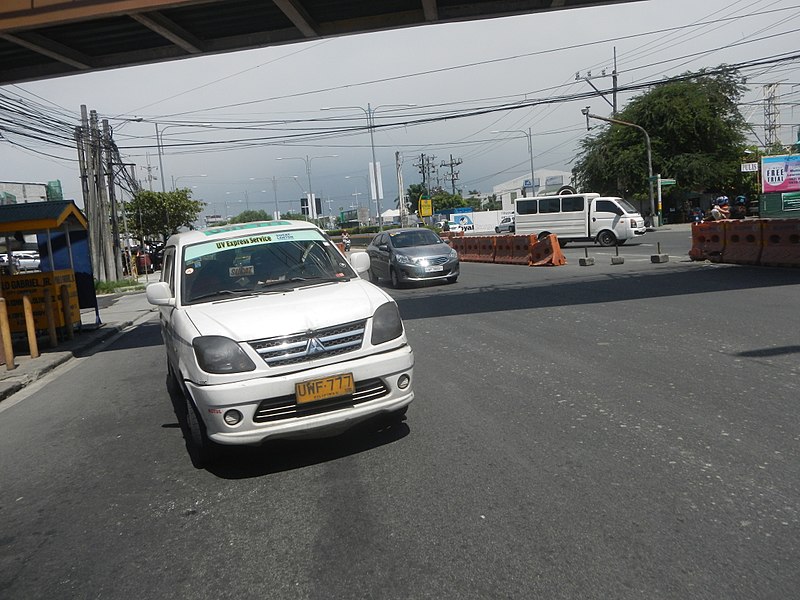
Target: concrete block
[(617, 260), (586, 262), (659, 258)]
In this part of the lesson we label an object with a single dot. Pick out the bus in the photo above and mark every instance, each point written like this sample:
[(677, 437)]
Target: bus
[(607, 221)]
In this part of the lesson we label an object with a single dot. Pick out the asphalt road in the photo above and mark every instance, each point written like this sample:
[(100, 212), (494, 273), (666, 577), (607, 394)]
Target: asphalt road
[(615, 431)]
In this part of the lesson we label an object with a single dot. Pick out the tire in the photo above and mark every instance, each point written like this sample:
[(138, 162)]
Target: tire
[(394, 278), (511, 229), (497, 230), (172, 381), (606, 238), (201, 449), (542, 235)]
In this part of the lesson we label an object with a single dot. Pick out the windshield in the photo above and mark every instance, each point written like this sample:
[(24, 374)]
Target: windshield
[(418, 237), (627, 207), (258, 263)]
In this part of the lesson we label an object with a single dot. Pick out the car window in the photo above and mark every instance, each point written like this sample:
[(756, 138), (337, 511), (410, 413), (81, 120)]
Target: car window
[(251, 263), (549, 205), (607, 206), (572, 204), (168, 268), (420, 237)]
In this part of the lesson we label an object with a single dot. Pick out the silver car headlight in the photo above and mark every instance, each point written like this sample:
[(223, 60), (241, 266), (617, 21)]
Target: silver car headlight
[(218, 354), (453, 253), (386, 324), (403, 259)]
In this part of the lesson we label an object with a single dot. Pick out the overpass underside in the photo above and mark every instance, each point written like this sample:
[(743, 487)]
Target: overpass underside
[(40, 39)]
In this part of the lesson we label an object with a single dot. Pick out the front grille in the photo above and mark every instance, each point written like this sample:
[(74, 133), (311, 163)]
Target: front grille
[(437, 260), (286, 407), (311, 345)]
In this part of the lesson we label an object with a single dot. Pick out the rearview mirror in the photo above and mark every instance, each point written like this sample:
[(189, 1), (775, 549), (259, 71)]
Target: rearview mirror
[(159, 294), (360, 262)]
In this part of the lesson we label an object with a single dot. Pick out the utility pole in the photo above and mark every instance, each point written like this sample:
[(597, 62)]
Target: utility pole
[(115, 248), (588, 79), (771, 116), (453, 174)]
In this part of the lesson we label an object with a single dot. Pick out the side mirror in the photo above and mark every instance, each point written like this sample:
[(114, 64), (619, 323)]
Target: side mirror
[(383, 247), (159, 294), (360, 262)]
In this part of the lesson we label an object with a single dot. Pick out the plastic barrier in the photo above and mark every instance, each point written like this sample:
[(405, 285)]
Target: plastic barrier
[(547, 252), (470, 252), (457, 243), (486, 249), (742, 242), (504, 249), (521, 249), (781, 243), (708, 241)]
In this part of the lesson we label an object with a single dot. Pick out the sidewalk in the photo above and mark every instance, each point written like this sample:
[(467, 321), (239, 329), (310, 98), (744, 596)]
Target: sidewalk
[(116, 311)]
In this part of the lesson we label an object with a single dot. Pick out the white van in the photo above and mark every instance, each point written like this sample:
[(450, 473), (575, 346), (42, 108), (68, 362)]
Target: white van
[(579, 218)]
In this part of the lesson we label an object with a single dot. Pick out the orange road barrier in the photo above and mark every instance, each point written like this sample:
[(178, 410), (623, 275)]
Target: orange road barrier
[(470, 253), (457, 244), (708, 241), (742, 242), (547, 252), (504, 249), (486, 249), (781, 243), (521, 249)]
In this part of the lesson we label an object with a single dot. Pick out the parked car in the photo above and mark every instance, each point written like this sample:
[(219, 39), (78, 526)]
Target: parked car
[(411, 255), (270, 333), (506, 225)]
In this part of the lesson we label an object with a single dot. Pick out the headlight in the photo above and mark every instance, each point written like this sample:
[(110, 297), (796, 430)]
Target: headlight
[(453, 253), (403, 259), (218, 354), (633, 223), (386, 323)]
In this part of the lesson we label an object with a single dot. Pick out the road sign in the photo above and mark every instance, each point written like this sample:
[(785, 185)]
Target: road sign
[(750, 167), (668, 182)]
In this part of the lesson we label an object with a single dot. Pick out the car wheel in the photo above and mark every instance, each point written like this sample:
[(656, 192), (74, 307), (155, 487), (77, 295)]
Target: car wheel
[(605, 238), (511, 229), (497, 230), (201, 449), (395, 279)]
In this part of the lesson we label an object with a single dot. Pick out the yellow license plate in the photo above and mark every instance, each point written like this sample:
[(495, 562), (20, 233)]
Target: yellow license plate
[(324, 388)]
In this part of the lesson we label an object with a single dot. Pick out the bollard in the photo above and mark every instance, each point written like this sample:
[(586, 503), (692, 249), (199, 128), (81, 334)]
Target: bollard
[(51, 318), (617, 259), (67, 313), (30, 326), (586, 261), (658, 257), (5, 333)]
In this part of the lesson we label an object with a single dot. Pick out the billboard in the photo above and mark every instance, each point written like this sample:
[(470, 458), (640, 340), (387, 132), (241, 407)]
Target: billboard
[(780, 173)]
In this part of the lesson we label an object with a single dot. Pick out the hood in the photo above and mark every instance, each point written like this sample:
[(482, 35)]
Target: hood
[(421, 251), (284, 313)]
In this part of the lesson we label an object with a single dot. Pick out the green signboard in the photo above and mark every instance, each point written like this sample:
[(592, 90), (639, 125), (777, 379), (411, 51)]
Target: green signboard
[(790, 200)]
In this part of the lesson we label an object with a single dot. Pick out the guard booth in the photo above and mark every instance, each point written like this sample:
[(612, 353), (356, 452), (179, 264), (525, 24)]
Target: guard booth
[(62, 241)]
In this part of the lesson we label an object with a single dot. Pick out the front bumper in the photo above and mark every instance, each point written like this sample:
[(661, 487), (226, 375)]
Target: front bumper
[(255, 397), (418, 273)]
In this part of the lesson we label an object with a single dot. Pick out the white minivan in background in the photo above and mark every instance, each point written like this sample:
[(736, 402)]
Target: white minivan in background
[(579, 217)]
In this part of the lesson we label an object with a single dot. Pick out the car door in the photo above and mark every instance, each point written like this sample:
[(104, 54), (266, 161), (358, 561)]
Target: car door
[(379, 255), (607, 215)]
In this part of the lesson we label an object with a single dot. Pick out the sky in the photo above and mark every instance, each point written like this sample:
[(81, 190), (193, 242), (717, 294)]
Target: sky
[(469, 91)]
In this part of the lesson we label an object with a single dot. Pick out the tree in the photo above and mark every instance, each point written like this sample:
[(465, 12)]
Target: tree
[(248, 216), (152, 215), (697, 135), (444, 200), (415, 190)]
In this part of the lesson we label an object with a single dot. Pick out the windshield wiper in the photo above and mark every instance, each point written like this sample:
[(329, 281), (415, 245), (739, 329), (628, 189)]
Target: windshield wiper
[(237, 292)]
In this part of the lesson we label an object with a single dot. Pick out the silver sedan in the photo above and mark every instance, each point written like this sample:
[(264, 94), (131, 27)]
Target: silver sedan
[(411, 255)]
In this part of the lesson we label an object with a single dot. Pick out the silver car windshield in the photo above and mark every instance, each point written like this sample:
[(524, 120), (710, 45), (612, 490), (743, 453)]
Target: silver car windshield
[(418, 237), (258, 263)]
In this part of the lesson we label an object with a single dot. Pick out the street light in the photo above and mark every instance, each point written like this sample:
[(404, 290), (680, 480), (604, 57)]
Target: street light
[(160, 146), (274, 180), (175, 180), (528, 134), (312, 209), (585, 111), (375, 189)]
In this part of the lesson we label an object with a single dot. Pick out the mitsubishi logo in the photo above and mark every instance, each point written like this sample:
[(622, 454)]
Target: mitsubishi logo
[(314, 347)]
